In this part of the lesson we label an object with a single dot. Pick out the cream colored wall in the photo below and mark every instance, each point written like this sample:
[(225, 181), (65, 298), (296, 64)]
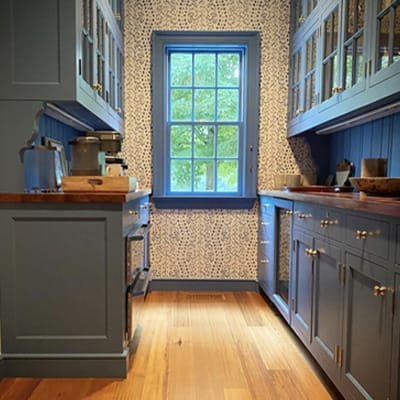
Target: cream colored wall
[(218, 243)]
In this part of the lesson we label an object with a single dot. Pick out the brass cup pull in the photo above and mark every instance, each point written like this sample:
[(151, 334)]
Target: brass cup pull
[(362, 234), (380, 290)]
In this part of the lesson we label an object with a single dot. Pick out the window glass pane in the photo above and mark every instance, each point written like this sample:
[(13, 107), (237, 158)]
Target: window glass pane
[(181, 69), (227, 176), (181, 104), (181, 175), (204, 141), (228, 69), (228, 104), (396, 37), (228, 141), (204, 176), (204, 105), (204, 67), (383, 51), (181, 141)]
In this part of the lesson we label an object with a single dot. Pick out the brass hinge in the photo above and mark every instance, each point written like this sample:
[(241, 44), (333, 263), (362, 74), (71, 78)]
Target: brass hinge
[(340, 360)]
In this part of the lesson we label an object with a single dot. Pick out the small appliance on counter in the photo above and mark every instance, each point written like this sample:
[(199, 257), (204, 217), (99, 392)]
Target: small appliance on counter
[(43, 166), (86, 157), (110, 144)]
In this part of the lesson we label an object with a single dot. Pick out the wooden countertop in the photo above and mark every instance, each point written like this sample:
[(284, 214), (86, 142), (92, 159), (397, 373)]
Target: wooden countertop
[(351, 201), (73, 197)]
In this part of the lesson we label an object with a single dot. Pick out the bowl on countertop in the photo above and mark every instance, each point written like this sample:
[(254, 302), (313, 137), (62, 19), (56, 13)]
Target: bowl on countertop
[(377, 186)]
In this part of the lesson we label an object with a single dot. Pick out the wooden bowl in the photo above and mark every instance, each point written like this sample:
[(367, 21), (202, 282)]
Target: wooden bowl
[(378, 186)]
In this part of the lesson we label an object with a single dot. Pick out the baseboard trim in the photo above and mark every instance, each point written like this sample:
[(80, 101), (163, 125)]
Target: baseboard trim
[(222, 285)]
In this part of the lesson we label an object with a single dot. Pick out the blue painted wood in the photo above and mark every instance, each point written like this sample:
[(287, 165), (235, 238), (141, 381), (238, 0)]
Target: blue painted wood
[(377, 139)]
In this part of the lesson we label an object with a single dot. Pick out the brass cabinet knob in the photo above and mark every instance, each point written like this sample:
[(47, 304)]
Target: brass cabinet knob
[(117, 16), (362, 234), (118, 110), (310, 252), (380, 290), (97, 87)]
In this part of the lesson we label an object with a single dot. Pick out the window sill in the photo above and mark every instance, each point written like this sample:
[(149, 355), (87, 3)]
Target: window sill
[(204, 202)]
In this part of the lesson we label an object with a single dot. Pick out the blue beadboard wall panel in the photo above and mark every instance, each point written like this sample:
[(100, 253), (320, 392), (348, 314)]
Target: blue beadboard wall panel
[(57, 130), (377, 139)]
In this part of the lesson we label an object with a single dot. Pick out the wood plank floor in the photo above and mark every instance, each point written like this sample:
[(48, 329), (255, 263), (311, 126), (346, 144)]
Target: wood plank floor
[(198, 346)]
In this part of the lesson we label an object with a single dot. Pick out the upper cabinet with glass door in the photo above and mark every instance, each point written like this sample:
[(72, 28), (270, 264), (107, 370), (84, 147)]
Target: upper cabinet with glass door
[(357, 62), (301, 10), (65, 52), (384, 67)]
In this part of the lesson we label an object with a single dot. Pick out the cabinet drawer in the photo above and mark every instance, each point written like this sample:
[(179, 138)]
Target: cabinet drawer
[(304, 216), (368, 235), (329, 223)]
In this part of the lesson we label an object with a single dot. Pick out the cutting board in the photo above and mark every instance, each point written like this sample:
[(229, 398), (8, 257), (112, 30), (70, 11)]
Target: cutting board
[(99, 184)]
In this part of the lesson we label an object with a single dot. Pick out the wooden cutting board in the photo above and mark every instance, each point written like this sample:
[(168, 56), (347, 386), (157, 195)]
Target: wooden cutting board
[(99, 184)]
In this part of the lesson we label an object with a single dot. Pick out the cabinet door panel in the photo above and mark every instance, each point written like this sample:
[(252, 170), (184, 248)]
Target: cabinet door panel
[(327, 307), (367, 330), (302, 286)]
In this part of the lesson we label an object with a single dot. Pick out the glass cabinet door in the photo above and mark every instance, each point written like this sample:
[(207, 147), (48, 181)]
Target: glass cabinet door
[(330, 54), (353, 43), (87, 41), (388, 33), (295, 89), (301, 9), (310, 95)]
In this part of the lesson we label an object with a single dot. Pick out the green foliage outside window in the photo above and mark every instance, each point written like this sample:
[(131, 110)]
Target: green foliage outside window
[(205, 120)]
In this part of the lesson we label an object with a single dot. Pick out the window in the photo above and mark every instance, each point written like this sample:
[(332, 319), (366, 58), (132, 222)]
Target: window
[(205, 119)]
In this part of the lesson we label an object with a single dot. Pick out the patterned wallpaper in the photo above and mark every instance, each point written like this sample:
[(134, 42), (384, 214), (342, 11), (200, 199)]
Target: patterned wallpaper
[(217, 243)]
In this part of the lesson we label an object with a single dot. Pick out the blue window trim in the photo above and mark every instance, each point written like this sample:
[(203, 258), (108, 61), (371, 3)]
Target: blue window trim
[(160, 42)]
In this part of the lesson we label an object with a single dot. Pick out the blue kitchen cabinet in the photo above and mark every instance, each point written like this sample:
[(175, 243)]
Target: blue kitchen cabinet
[(69, 53), (345, 274), (366, 351), (63, 285), (274, 253), (302, 284), (357, 62), (266, 250)]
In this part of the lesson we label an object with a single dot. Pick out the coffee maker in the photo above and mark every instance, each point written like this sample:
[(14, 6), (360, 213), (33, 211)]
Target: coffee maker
[(110, 144)]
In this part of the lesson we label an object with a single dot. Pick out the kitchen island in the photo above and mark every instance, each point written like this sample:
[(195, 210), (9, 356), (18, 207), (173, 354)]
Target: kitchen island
[(330, 262), (63, 282)]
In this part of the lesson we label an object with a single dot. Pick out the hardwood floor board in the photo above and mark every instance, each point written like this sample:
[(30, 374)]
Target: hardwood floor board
[(198, 346), (18, 388)]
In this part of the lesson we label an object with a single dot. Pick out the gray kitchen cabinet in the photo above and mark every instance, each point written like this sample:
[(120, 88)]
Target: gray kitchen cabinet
[(302, 283), (63, 286), (266, 250), (68, 53), (327, 307), (357, 64), (275, 248), (366, 353), (345, 274)]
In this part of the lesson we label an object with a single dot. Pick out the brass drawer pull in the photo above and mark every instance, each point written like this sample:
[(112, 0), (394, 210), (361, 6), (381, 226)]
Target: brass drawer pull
[(324, 223), (304, 216), (132, 212)]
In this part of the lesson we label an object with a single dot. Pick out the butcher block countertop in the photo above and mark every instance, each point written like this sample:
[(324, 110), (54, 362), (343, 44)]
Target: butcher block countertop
[(73, 197), (352, 201)]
